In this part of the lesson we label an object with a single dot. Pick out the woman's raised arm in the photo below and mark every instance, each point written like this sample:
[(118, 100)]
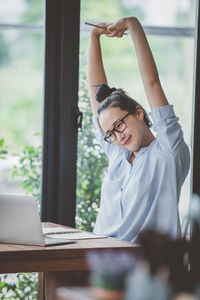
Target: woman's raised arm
[(96, 72), (147, 66)]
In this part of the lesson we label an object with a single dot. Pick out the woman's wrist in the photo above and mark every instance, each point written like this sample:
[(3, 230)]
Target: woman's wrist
[(122, 25), (94, 34), (129, 21), (99, 30)]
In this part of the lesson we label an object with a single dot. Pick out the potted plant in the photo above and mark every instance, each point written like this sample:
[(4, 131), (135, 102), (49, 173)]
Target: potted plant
[(108, 273)]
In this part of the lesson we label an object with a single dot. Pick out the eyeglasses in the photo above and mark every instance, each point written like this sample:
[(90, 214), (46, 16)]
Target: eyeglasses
[(120, 126)]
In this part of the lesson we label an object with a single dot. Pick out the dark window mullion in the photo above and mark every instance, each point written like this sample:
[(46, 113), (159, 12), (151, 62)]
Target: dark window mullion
[(61, 97)]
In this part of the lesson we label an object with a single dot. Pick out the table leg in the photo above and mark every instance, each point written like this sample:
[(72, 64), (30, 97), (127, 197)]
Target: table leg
[(41, 286), (53, 280)]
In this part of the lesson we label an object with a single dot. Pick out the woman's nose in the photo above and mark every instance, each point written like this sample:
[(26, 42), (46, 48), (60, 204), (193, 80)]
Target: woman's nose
[(120, 136)]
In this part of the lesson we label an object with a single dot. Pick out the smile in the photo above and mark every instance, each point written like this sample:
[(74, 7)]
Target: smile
[(127, 141)]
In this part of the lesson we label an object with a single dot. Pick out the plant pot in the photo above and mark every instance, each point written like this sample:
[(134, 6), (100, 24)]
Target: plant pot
[(105, 294)]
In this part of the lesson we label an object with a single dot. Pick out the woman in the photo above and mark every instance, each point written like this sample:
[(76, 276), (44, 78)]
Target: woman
[(142, 187)]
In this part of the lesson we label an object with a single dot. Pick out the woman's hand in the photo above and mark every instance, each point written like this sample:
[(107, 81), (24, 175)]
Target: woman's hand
[(105, 29), (99, 31), (117, 29)]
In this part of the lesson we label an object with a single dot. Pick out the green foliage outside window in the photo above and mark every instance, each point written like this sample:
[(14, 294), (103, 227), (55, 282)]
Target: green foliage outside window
[(3, 150), (29, 170), (90, 164), (22, 286)]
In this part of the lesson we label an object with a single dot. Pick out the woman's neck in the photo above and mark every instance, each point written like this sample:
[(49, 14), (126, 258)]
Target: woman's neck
[(148, 139)]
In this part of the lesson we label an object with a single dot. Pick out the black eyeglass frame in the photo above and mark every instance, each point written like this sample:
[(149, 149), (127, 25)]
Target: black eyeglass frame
[(107, 139)]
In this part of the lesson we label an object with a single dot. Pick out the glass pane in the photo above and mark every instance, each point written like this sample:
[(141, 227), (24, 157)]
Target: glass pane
[(21, 94), (151, 12), (164, 13), (21, 91), (22, 11), (174, 58), (175, 66)]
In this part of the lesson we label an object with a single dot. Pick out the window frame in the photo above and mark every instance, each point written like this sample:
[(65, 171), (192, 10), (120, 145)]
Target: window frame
[(62, 25)]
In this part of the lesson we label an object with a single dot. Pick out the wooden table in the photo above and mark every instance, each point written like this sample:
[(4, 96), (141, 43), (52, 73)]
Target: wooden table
[(57, 265)]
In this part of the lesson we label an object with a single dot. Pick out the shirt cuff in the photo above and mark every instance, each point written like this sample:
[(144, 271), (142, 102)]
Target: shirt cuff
[(162, 113)]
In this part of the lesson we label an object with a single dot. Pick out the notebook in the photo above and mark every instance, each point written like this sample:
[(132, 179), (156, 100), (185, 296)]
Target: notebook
[(70, 234), (20, 222)]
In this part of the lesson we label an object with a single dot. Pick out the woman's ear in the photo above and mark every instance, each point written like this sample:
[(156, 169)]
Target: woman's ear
[(139, 113)]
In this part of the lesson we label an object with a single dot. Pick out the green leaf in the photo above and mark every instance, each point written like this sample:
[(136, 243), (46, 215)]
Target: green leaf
[(37, 134), (2, 142)]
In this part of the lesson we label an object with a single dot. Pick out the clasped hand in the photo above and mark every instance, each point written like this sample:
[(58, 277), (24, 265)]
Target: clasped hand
[(116, 29)]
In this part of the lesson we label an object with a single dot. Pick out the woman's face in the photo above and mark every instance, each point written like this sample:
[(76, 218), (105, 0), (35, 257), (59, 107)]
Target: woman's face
[(133, 137)]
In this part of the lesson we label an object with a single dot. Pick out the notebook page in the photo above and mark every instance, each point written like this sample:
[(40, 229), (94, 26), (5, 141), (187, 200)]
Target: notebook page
[(76, 236), (55, 230)]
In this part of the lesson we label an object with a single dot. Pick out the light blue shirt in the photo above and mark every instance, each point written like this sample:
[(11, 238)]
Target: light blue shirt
[(144, 194)]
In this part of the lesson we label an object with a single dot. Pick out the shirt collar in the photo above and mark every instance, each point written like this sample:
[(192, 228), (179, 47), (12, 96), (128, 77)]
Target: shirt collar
[(143, 150)]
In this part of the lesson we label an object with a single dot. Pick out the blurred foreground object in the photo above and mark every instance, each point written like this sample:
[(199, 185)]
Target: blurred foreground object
[(109, 271), (74, 293)]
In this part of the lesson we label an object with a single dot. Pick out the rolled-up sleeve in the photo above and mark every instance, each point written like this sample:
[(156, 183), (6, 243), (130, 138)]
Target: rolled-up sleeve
[(168, 131), (170, 139)]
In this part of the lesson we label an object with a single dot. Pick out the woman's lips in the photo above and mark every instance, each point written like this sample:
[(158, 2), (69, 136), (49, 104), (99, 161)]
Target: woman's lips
[(127, 141)]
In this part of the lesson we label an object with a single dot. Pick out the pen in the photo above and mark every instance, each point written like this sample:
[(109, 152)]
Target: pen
[(94, 25), (98, 26)]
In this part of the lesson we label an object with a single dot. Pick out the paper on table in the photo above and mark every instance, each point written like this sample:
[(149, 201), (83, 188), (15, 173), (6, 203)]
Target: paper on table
[(56, 230), (70, 234)]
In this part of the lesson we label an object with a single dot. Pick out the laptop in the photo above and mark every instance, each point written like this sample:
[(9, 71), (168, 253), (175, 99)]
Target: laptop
[(20, 222)]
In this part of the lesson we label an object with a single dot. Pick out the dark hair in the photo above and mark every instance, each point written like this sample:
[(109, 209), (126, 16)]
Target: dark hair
[(112, 97)]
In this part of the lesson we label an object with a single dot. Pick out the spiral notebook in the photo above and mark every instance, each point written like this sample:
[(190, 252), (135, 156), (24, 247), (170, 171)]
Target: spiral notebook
[(69, 233)]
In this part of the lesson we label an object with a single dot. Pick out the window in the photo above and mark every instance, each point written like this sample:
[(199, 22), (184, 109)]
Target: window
[(21, 67), (21, 114)]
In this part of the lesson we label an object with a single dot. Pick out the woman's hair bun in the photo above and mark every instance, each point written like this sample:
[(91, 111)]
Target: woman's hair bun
[(103, 91)]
